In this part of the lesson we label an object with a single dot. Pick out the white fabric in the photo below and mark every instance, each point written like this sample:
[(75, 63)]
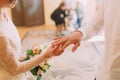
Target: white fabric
[(10, 45), (7, 28), (107, 16)]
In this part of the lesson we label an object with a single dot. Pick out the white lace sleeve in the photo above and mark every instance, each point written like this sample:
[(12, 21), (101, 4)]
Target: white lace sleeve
[(9, 61)]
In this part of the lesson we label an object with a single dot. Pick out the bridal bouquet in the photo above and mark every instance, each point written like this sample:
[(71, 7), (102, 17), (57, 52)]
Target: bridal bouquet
[(39, 70)]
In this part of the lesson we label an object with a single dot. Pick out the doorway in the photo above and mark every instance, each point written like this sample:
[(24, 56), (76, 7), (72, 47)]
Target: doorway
[(28, 13)]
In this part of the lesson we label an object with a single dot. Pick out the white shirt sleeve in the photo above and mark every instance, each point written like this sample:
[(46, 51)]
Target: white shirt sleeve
[(95, 25)]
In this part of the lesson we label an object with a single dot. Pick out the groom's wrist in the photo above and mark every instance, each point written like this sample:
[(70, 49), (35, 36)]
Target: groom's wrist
[(79, 32)]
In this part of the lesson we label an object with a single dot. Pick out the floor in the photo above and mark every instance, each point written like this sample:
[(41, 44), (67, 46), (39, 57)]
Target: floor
[(23, 29)]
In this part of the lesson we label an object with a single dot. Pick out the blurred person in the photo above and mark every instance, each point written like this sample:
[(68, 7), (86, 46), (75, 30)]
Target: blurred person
[(79, 13), (10, 45), (59, 16), (73, 20), (107, 18), (66, 19)]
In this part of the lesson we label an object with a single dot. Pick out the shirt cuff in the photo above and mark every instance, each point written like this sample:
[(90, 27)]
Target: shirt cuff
[(83, 30)]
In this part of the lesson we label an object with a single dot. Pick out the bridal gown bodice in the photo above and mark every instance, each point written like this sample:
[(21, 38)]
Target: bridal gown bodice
[(8, 29)]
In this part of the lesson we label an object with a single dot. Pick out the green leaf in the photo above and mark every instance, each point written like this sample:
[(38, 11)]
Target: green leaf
[(44, 71), (35, 70), (40, 51), (29, 52), (27, 58), (39, 77), (49, 65), (40, 68)]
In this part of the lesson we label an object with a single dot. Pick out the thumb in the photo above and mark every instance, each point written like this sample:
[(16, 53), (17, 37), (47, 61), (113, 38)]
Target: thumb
[(76, 45)]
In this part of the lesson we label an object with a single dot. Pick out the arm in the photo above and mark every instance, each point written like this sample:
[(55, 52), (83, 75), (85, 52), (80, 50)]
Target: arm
[(54, 15), (9, 61)]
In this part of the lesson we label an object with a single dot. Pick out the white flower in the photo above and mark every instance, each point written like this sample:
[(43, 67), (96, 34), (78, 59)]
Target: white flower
[(42, 64), (45, 67)]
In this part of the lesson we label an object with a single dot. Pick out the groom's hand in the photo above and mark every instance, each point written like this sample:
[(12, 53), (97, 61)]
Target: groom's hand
[(74, 38)]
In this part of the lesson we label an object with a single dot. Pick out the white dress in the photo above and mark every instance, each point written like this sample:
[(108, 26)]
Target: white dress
[(10, 46), (107, 18), (7, 28)]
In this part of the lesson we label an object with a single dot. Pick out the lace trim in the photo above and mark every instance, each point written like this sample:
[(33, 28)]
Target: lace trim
[(3, 16)]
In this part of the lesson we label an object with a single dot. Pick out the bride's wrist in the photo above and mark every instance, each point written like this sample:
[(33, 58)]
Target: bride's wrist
[(46, 56)]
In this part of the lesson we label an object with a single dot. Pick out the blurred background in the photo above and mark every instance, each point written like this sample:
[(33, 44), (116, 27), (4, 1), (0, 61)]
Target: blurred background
[(36, 13)]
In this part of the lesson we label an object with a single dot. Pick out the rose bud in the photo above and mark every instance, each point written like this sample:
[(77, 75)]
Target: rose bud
[(40, 72), (36, 50)]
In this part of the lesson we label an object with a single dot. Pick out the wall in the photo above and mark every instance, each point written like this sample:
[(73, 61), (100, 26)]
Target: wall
[(90, 10), (49, 7)]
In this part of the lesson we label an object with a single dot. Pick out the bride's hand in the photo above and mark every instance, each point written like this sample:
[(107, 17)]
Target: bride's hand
[(53, 51)]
